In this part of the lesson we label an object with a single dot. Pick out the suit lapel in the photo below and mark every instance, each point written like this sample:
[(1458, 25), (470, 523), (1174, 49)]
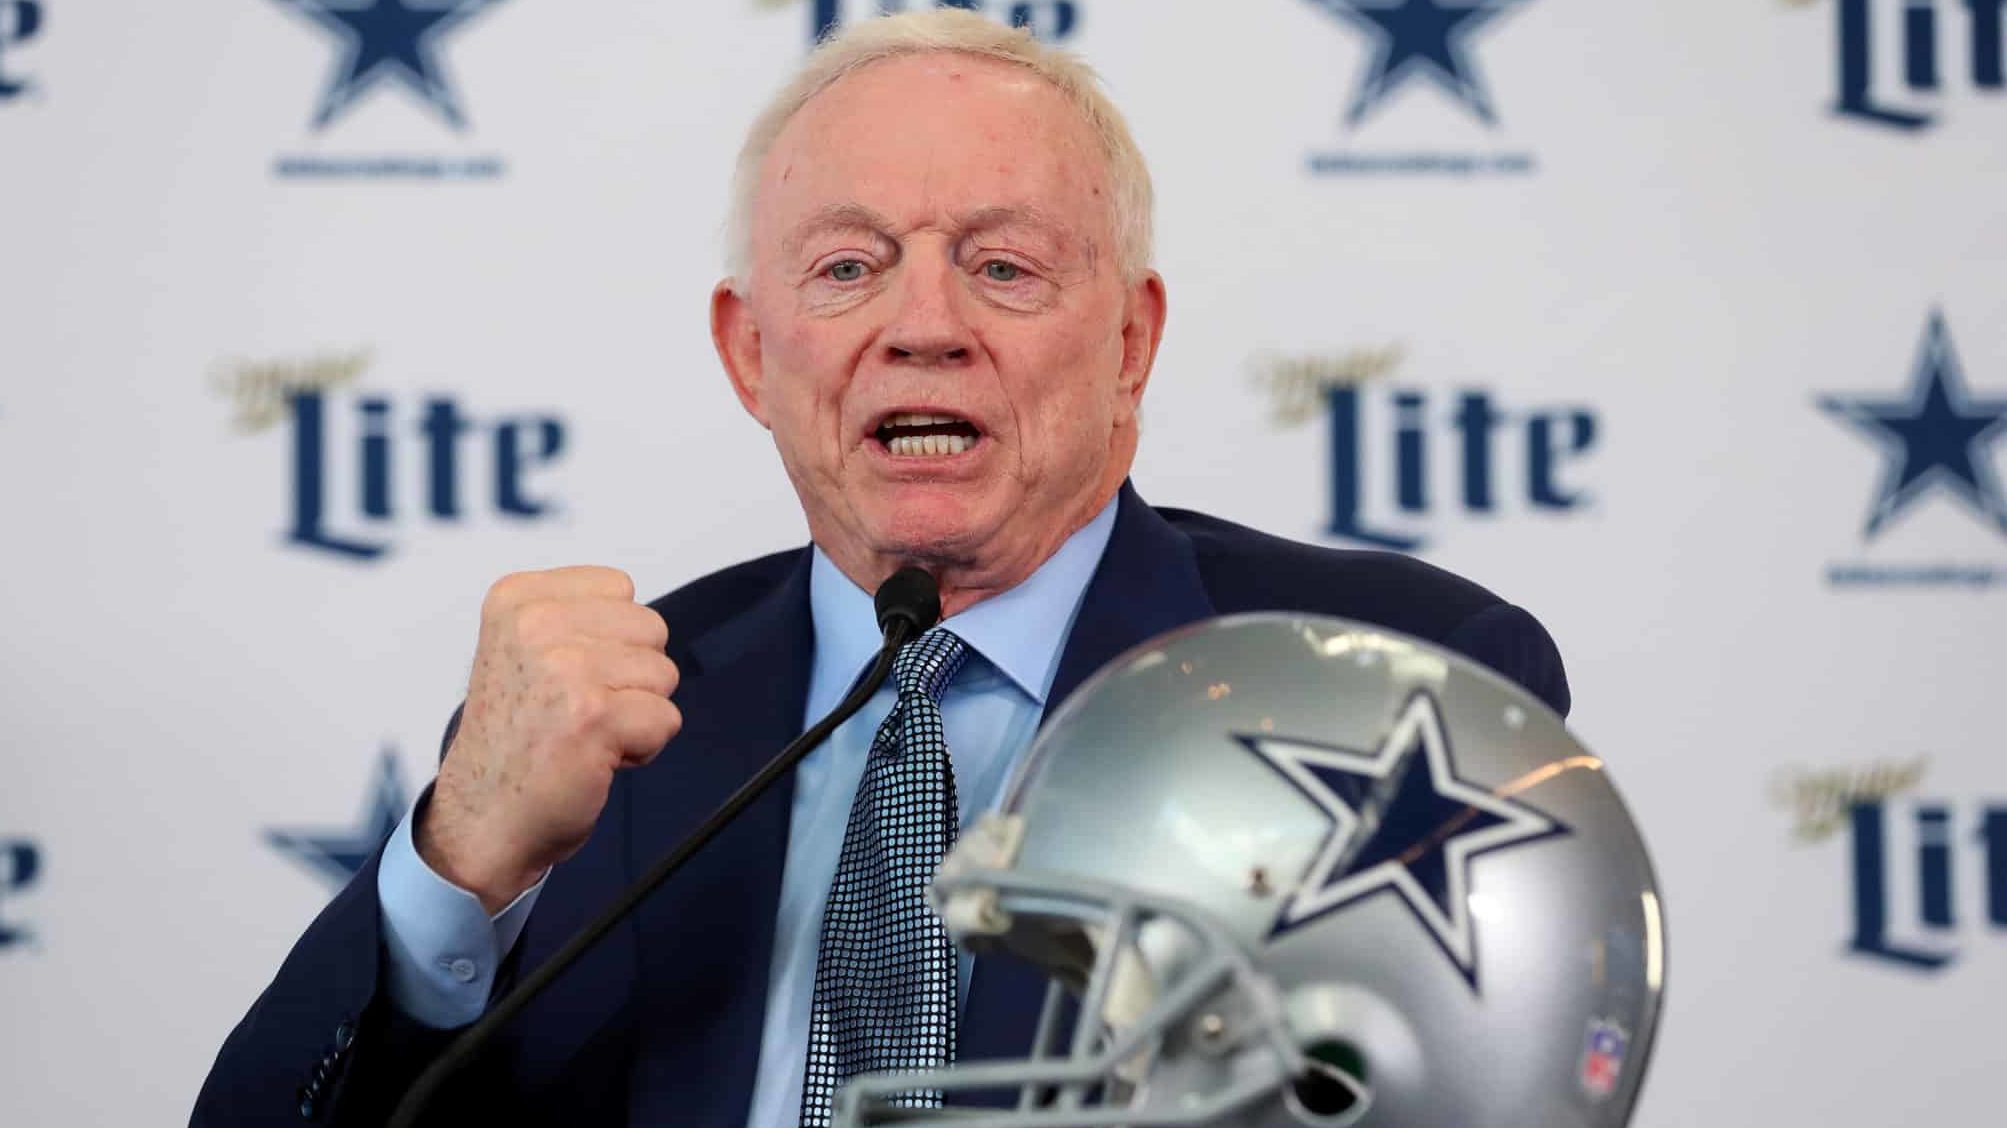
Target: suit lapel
[(1147, 583)]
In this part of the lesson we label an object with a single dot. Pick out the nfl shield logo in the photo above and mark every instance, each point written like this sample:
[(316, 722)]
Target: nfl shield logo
[(1603, 1058)]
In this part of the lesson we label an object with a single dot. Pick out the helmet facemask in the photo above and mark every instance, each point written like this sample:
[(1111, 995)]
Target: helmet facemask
[(1154, 1013)]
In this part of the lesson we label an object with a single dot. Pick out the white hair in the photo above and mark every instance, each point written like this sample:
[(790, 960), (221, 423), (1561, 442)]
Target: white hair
[(956, 31)]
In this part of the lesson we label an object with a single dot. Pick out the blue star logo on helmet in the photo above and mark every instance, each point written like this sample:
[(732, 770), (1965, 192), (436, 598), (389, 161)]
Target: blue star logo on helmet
[(1401, 822), (1420, 38), (389, 39)]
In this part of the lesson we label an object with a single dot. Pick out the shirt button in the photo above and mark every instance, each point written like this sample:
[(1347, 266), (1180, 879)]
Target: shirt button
[(462, 969)]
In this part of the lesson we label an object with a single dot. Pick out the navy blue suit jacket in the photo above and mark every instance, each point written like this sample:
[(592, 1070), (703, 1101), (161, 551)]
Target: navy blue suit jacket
[(661, 1024)]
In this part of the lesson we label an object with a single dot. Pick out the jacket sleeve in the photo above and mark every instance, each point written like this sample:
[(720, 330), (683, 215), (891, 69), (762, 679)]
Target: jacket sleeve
[(304, 1036), (1509, 640), (324, 1044)]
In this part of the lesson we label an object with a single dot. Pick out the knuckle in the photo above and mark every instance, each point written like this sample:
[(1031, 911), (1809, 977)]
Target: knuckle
[(538, 620), (586, 707), (502, 595), (566, 663), (647, 740), (622, 582), (655, 627), (597, 579)]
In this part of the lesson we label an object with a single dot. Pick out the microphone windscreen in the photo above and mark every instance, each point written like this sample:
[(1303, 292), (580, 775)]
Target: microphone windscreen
[(911, 594)]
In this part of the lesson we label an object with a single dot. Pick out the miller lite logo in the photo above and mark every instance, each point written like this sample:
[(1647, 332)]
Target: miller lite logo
[(1897, 60), (20, 22), (1928, 874), (1927, 843), (1401, 455), (363, 464), (1050, 20), (20, 867)]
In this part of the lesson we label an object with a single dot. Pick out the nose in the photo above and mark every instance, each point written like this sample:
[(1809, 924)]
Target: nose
[(929, 328)]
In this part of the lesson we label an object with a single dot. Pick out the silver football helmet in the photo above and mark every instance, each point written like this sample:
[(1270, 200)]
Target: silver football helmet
[(1284, 870)]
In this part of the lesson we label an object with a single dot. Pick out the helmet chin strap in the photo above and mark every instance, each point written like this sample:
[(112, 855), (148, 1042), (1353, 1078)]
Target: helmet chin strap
[(1132, 991), (972, 912)]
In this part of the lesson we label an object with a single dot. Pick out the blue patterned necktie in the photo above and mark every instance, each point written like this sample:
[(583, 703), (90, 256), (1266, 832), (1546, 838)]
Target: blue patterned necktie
[(885, 975)]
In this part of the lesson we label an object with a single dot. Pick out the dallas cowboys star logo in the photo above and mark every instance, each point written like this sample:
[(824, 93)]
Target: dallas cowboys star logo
[(389, 40), (1937, 435), (1401, 821), (338, 855), (1420, 39)]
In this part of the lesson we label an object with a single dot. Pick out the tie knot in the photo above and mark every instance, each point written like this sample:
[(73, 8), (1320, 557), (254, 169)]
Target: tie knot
[(926, 665)]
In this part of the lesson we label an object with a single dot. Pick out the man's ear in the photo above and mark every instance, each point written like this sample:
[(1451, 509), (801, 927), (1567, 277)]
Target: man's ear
[(1142, 332), (737, 339)]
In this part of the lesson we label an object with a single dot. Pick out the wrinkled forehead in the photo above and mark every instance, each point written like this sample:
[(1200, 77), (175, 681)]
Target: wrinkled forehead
[(935, 139)]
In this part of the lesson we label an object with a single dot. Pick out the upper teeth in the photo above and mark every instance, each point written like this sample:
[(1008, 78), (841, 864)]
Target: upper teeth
[(912, 419), (916, 445)]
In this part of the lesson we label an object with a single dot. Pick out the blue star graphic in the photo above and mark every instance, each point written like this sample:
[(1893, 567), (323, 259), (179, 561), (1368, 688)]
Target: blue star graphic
[(338, 855), (1420, 38), (1937, 435), (389, 39), (1401, 821)]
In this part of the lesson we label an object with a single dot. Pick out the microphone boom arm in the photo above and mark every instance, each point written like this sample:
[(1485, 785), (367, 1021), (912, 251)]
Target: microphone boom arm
[(900, 625)]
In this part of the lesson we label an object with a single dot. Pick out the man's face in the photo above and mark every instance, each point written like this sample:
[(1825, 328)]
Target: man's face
[(937, 329)]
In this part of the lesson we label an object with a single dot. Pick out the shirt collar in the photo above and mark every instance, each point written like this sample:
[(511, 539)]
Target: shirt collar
[(1020, 632)]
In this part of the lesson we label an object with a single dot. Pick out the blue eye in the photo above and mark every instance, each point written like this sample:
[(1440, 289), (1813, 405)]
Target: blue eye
[(849, 270), (997, 270)]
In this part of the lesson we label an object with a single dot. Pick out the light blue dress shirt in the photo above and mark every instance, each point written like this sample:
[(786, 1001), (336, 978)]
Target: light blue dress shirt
[(443, 948)]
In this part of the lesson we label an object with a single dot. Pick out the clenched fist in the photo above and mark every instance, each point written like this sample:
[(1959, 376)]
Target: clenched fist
[(570, 685)]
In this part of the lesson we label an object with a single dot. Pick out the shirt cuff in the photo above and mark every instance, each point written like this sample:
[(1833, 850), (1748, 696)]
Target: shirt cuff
[(442, 949)]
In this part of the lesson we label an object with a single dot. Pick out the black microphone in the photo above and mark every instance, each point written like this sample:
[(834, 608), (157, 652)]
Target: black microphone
[(908, 603), (910, 594)]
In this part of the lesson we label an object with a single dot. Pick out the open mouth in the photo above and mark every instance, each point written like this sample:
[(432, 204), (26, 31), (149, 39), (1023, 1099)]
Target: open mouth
[(909, 434)]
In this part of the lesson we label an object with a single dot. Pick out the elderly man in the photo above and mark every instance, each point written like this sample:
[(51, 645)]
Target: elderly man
[(942, 308)]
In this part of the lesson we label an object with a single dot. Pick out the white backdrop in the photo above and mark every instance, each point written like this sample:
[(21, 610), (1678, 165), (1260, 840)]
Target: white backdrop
[(1668, 262)]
